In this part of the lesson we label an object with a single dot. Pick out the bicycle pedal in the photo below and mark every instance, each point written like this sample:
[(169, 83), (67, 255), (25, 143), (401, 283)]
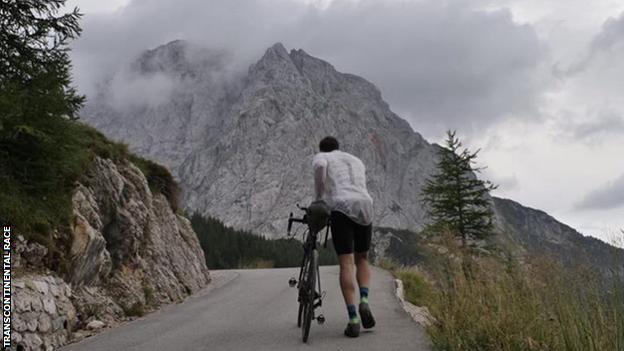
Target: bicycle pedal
[(292, 282), (320, 319)]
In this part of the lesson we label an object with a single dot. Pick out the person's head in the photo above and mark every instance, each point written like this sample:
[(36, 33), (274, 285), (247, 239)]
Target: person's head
[(328, 144)]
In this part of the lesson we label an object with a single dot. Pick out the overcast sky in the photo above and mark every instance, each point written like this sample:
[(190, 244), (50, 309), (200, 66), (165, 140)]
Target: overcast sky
[(537, 85)]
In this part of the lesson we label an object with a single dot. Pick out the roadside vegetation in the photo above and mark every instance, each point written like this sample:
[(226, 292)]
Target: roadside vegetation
[(226, 248), (487, 299), (44, 148), (488, 303)]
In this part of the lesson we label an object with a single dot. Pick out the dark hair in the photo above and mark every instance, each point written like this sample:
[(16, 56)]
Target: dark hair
[(328, 144)]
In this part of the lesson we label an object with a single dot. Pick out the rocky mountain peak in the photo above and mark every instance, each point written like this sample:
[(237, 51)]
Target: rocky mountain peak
[(276, 68), (243, 154), (167, 57)]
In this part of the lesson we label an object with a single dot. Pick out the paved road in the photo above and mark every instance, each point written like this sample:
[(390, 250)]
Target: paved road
[(257, 310)]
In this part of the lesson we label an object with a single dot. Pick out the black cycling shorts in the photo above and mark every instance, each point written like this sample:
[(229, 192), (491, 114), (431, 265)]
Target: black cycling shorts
[(349, 236)]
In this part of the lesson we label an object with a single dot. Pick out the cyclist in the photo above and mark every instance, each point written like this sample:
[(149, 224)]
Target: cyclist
[(340, 181)]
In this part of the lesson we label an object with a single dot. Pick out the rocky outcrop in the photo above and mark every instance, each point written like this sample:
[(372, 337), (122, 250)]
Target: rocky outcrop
[(129, 253)]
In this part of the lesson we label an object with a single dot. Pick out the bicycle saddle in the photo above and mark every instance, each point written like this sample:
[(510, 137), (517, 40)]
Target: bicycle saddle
[(318, 214)]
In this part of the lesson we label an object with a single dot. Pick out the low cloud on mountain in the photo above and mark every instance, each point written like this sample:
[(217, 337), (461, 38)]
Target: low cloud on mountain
[(543, 77), (437, 63)]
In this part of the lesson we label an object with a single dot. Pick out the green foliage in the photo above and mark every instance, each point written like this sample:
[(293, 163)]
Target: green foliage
[(41, 156), (454, 197), (227, 248), (159, 179), (35, 67), (416, 288), (137, 309), (39, 174), (148, 292)]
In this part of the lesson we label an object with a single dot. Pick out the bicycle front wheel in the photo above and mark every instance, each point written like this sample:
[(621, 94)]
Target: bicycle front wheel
[(308, 308), (300, 314)]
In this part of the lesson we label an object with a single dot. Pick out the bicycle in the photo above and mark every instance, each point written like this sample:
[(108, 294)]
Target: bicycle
[(309, 297)]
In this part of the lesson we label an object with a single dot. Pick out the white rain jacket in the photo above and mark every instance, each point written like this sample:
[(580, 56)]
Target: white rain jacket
[(340, 181)]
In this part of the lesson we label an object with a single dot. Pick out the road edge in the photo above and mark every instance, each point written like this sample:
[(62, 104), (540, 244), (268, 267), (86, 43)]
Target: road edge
[(419, 314)]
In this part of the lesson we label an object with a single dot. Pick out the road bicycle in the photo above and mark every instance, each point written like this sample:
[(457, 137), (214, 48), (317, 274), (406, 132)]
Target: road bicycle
[(310, 296)]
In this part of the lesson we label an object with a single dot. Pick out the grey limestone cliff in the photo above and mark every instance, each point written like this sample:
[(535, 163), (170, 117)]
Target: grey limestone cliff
[(244, 145), (128, 252), (241, 144)]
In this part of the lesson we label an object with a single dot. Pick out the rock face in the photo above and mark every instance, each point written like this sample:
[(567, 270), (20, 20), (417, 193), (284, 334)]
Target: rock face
[(129, 237), (241, 145), (242, 148), (129, 253)]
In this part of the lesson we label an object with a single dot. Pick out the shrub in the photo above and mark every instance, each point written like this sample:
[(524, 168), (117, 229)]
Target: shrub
[(159, 180)]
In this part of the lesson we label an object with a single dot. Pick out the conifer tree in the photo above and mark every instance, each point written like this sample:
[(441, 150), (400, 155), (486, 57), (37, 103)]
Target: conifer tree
[(455, 197)]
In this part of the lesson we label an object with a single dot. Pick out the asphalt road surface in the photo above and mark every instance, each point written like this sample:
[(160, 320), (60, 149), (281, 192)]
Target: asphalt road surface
[(257, 310)]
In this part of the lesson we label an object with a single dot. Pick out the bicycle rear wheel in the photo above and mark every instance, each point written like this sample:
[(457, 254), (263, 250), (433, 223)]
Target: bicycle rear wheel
[(308, 308)]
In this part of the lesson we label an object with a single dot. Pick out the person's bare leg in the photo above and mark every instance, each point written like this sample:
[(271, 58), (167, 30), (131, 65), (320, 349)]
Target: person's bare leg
[(363, 278), (347, 283), (363, 269)]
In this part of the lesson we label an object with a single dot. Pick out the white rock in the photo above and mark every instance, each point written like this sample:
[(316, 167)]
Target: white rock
[(44, 323), (49, 306), (94, 325)]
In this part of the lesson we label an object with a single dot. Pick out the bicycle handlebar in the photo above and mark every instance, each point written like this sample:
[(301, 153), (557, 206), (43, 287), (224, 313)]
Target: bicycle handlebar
[(304, 220), (292, 219)]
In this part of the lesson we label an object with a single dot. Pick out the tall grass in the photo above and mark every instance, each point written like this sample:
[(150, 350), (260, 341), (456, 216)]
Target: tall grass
[(484, 304), (489, 303)]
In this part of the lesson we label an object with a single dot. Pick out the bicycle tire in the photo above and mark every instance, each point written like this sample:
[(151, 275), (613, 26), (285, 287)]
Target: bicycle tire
[(302, 283), (300, 314), (310, 287)]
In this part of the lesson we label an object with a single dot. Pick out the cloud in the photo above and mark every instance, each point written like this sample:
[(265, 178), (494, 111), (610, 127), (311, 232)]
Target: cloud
[(440, 64), (596, 130), (611, 35), (608, 196), (608, 40), (592, 128)]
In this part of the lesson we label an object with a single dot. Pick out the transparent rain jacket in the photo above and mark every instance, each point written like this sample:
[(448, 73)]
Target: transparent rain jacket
[(345, 185)]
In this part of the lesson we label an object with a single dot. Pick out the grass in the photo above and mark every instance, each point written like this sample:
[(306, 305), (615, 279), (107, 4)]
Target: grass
[(484, 305), (488, 305), (416, 287), (137, 309), (41, 166), (159, 180)]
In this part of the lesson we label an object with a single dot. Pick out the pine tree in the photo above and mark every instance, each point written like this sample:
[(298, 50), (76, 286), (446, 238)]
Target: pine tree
[(455, 197)]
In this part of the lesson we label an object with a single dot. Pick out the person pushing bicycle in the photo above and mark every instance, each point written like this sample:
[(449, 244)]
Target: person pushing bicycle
[(340, 181)]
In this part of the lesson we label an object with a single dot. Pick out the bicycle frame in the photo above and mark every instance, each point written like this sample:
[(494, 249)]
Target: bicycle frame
[(309, 297), (308, 247)]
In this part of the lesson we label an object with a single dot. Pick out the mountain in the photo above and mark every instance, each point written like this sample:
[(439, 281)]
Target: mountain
[(241, 144), (242, 148), (534, 231)]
